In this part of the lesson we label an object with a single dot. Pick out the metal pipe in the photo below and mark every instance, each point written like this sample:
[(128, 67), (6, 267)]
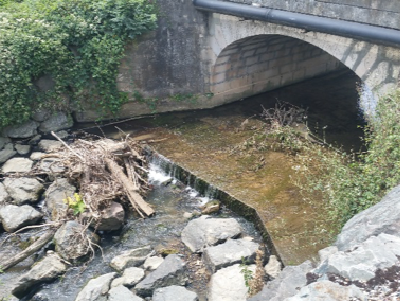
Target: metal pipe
[(359, 31)]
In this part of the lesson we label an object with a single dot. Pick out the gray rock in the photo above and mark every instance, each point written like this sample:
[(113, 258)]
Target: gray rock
[(57, 121), (274, 267), (228, 284), (62, 134), (51, 166), (174, 293), (70, 244), (112, 218), (6, 154), (287, 284), (96, 289), (130, 258), (24, 130), (14, 217), (36, 156), (22, 149), (44, 271), (35, 140), (384, 217), (21, 165), (4, 141), (153, 262), (326, 252), (361, 263), (204, 231), (23, 189), (121, 293), (170, 272), (130, 277), (327, 291), (49, 146), (41, 115), (229, 253), (54, 195), (4, 196), (9, 146)]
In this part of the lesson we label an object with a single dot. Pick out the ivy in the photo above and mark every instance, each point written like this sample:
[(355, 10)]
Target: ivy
[(78, 43)]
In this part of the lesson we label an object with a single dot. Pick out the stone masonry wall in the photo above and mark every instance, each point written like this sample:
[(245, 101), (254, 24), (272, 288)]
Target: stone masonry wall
[(385, 13)]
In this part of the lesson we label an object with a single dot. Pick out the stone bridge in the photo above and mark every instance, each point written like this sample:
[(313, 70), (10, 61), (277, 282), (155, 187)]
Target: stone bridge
[(201, 57)]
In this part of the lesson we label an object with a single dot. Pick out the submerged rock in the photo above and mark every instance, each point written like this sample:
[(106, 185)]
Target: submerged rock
[(229, 253), (45, 270), (228, 284), (130, 258), (174, 293), (23, 189), (170, 272), (22, 165), (70, 243), (96, 289), (205, 231), (14, 217), (121, 293)]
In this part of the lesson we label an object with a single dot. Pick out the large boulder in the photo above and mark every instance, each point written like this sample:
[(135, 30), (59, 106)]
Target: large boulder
[(205, 231), (384, 217), (377, 252), (73, 241), (328, 291), (228, 284), (14, 217), (170, 272), (229, 253), (121, 293), (130, 258), (57, 121), (21, 165), (287, 284), (96, 289), (174, 293), (58, 190), (44, 271), (23, 189), (25, 130)]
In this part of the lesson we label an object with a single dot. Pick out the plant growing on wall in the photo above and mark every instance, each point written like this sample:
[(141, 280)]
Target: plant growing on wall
[(76, 43)]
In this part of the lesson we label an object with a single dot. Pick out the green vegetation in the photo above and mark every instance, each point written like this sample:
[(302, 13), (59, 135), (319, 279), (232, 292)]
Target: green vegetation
[(76, 44), (77, 204)]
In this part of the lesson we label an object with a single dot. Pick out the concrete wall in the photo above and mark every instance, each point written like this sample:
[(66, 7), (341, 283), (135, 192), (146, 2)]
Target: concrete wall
[(385, 13)]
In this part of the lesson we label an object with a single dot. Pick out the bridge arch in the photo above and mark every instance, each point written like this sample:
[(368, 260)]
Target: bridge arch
[(248, 57)]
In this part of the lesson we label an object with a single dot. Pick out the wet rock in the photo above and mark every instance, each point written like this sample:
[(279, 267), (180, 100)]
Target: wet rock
[(44, 271), (23, 189), (4, 196), (23, 149), (205, 231), (327, 291), (174, 293), (130, 258), (273, 268), (14, 217), (69, 242), (6, 154), (121, 293), (57, 121), (130, 277), (96, 289), (361, 263), (24, 130), (112, 218), (211, 207), (54, 195), (229, 253), (170, 272), (4, 141), (228, 284), (153, 262), (49, 146), (287, 284), (21, 165), (384, 217)]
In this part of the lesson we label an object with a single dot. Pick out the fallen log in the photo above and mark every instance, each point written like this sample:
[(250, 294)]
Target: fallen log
[(131, 188), (36, 246)]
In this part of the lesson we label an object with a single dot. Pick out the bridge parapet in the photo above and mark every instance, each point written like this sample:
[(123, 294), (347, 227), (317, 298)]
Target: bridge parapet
[(383, 13)]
